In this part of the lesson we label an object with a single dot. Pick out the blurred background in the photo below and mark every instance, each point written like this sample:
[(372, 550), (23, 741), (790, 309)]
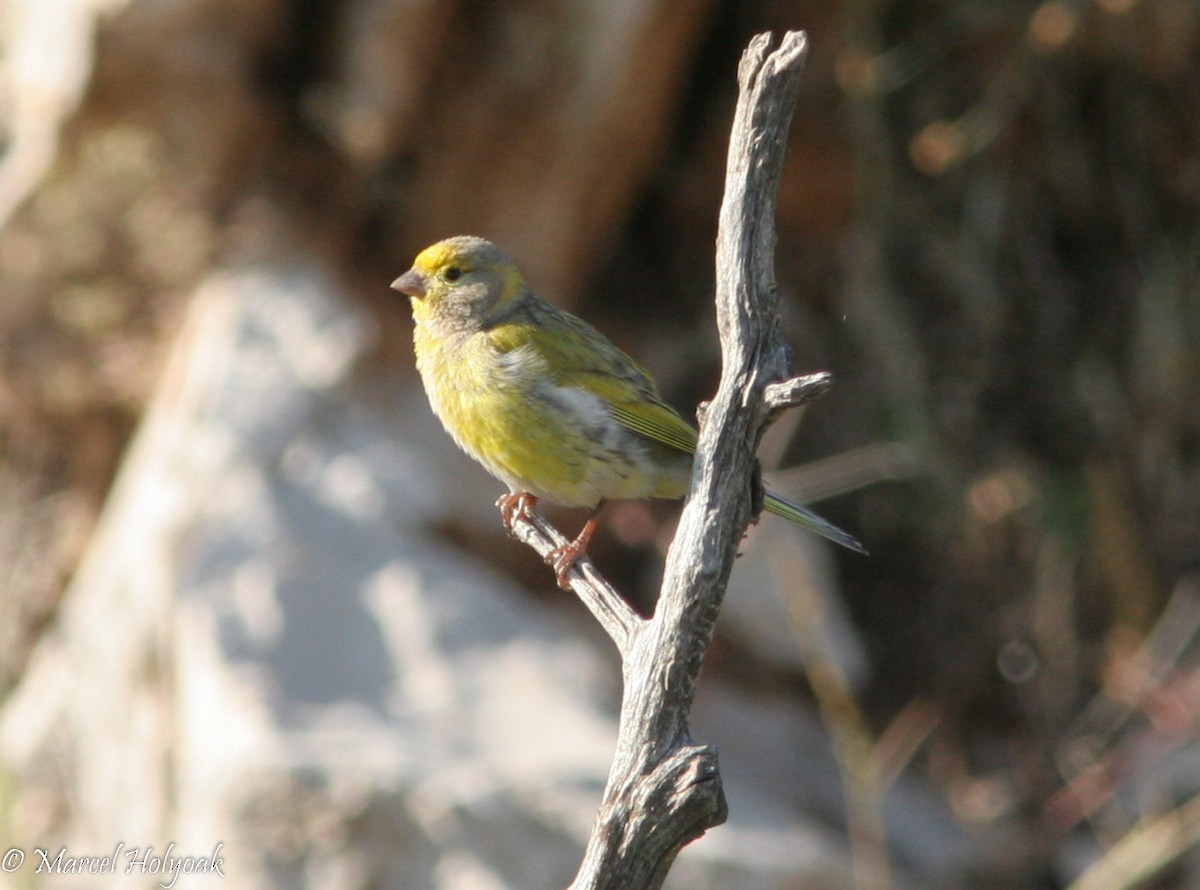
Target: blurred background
[(250, 594)]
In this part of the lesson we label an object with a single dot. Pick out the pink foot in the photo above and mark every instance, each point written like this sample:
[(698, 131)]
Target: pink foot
[(515, 505)]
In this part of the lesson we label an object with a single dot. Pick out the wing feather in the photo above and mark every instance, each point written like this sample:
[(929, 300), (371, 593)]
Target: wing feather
[(577, 355)]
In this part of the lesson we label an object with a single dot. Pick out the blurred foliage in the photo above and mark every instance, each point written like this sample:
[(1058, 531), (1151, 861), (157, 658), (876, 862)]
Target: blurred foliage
[(988, 231)]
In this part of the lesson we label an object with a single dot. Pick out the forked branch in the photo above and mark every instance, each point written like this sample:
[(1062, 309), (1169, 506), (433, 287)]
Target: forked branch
[(663, 790)]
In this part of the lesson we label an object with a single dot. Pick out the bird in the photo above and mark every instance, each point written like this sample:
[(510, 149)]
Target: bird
[(544, 401)]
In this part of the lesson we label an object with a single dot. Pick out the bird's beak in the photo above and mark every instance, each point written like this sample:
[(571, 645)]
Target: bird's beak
[(411, 282)]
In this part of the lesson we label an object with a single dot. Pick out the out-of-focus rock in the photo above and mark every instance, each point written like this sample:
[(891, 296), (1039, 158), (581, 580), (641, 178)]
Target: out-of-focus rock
[(264, 649), (138, 138)]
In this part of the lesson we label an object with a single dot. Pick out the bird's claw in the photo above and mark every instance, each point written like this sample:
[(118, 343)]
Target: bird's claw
[(562, 558), (515, 505)]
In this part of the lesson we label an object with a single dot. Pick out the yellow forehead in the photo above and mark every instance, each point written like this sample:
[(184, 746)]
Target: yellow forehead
[(471, 255), (437, 256)]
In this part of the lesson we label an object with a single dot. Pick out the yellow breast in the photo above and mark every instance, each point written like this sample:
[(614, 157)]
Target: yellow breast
[(560, 444)]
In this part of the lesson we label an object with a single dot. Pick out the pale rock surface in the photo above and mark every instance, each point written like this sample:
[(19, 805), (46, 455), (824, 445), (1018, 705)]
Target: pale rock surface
[(264, 649)]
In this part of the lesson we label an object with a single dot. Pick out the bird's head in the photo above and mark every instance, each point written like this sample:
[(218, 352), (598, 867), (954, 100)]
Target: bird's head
[(460, 283)]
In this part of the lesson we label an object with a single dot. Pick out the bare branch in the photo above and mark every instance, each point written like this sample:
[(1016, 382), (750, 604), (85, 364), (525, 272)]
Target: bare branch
[(664, 791), (615, 615), (796, 391)]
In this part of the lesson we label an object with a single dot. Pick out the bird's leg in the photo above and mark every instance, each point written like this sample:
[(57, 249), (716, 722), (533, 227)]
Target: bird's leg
[(514, 505), (562, 558)]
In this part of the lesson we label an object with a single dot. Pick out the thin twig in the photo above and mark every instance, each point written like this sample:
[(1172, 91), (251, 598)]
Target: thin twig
[(1145, 851), (797, 391), (615, 615)]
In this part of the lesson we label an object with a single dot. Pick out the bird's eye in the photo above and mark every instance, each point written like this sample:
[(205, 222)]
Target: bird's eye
[(452, 274)]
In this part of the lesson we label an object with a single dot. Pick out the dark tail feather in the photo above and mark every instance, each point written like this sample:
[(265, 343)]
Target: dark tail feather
[(802, 516)]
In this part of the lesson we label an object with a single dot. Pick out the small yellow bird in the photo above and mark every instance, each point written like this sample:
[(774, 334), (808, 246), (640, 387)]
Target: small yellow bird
[(543, 400)]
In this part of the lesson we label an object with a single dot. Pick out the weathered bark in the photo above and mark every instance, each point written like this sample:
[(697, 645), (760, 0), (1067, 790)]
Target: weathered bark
[(664, 790)]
